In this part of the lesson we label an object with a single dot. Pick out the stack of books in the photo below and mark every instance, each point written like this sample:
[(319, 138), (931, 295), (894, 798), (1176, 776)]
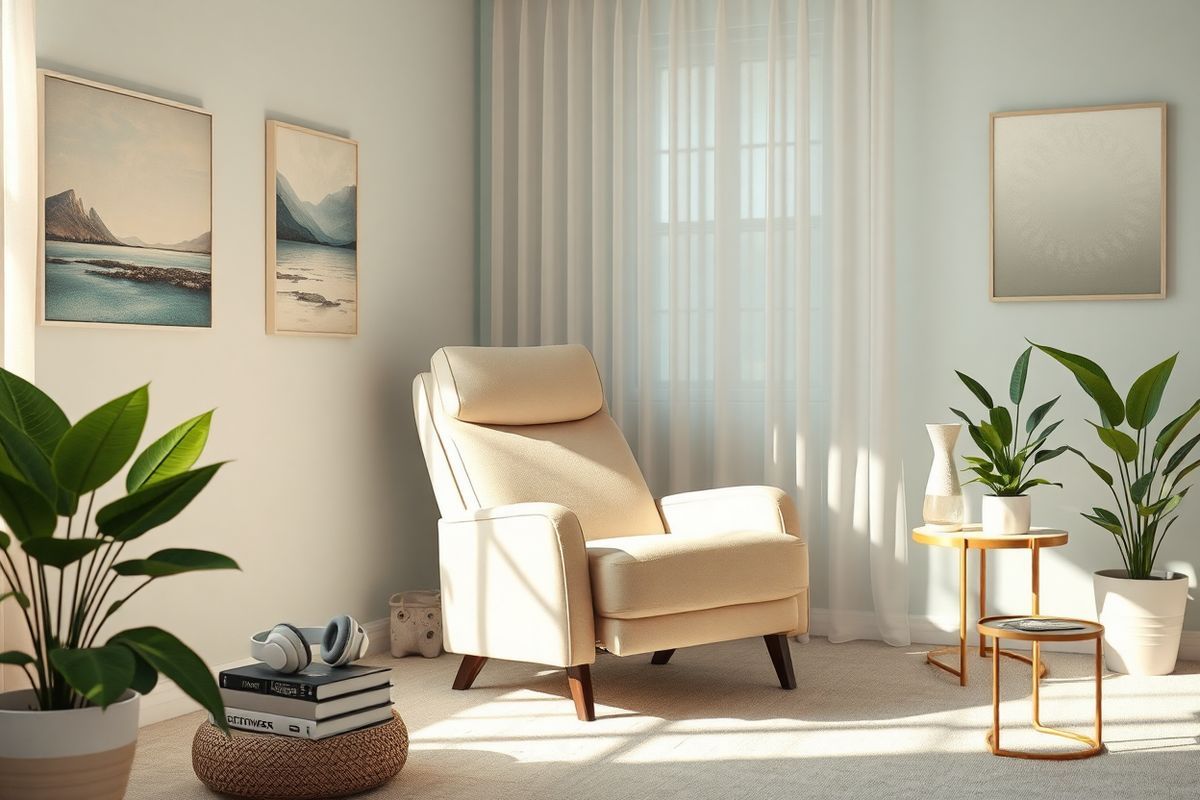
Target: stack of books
[(316, 703)]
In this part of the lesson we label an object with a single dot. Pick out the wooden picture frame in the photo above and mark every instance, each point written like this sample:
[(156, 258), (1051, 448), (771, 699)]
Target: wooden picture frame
[(1072, 225), (315, 251), (183, 302)]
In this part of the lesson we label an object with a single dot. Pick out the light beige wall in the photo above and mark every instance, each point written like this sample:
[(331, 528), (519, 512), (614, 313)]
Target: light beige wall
[(956, 61), (326, 506)]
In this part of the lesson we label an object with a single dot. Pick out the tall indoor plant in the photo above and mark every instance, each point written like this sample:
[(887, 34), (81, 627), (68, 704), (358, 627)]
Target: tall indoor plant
[(1007, 465), (73, 733), (1141, 609)]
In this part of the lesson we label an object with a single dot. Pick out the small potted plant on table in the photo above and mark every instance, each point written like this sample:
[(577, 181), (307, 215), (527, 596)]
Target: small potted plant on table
[(73, 734), (1141, 609), (1006, 467)]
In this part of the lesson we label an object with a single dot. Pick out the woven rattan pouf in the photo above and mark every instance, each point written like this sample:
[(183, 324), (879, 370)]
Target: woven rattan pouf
[(276, 767)]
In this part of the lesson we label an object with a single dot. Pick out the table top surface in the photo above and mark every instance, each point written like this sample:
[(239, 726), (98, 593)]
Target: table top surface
[(991, 626), (976, 539)]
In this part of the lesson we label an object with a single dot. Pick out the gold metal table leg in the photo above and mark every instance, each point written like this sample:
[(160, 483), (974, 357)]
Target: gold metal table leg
[(1094, 744)]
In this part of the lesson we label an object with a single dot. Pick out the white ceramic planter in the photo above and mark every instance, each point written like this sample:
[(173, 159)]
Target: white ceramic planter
[(1142, 621), (1005, 516), (83, 754)]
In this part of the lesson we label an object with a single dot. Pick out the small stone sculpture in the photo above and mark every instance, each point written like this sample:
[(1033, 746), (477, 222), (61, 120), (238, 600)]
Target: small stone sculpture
[(416, 624)]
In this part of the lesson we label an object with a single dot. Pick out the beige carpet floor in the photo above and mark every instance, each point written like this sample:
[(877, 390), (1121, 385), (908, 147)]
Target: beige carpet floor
[(867, 721)]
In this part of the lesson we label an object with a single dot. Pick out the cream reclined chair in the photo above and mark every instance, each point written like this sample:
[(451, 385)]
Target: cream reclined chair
[(551, 543)]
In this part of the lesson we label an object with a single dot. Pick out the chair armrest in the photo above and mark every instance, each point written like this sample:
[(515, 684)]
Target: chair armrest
[(734, 508), (515, 585)]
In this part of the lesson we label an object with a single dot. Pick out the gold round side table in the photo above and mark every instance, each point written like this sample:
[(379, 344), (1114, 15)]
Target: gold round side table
[(971, 537), (994, 627)]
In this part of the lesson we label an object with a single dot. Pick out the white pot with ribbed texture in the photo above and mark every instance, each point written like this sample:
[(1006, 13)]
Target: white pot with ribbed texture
[(1005, 516), (1142, 619), (79, 754)]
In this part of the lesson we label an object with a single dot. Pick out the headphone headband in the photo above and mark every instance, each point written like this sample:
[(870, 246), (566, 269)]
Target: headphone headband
[(287, 648)]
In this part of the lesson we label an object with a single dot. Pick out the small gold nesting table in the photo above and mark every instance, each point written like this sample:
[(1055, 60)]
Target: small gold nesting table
[(971, 537), (993, 626)]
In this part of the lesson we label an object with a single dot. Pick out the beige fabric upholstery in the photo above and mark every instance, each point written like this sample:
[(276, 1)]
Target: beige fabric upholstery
[(584, 465), (650, 576), (765, 508), (518, 385), (550, 541), (629, 637), (515, 585)]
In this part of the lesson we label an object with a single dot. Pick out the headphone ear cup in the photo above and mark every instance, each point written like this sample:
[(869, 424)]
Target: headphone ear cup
[(292, 645), (335, 644)]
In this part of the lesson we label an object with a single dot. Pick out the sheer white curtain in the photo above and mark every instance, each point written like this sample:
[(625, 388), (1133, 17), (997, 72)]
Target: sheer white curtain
[(18, 235), (699, 190)]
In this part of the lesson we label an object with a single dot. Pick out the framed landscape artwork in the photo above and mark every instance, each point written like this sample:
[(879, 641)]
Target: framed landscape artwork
[(1079, 202), (126, 213), (312, 232)]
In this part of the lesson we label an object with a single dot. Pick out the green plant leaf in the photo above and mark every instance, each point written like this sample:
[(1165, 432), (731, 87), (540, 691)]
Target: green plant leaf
[(153, 505), (20, 597), (96, 447), (962, 416), (1002, 422), (16, 658), (1042, 438), (1164, 506), (1032, 482), (60, 552), (32, 410), (171, 455), (100, 674), (1038, 415), (171, 657), (1101, 473), (26, 511), (1119, 442), (1016, 384), (992, 437), (1167, 436), (1146, 393), (1138, 489), (1180, 454), (21, 457), (1046, 455), (1183, 473), (976, 389), (1094, 381), (145, 676), (174, 561), (1113, 528)]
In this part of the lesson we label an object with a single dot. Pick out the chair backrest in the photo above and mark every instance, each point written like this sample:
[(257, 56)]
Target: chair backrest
[(501, 425)]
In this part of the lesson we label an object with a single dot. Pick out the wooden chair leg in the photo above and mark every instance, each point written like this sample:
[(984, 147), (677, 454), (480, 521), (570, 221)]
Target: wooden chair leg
[(661, 656), (580, 680), (781, 657), (468, 671)]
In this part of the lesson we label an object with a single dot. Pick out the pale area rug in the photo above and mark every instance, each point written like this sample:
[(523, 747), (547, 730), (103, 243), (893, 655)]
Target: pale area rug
[(866, 721)]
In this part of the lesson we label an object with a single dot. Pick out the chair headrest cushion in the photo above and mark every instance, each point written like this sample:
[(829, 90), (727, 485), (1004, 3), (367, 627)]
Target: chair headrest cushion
[(517, 385)]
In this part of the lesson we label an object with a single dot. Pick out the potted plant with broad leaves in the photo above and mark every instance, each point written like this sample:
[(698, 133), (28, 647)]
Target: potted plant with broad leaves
[(1006, 467), (1141, 609), (73, 733)]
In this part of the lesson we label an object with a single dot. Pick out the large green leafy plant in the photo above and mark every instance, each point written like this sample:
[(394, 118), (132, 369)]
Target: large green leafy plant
[(1145, 486), (70, 569), (1006, 467)]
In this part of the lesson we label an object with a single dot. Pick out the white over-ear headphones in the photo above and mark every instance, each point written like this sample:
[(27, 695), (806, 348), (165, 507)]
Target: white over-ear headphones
[(285, 648)]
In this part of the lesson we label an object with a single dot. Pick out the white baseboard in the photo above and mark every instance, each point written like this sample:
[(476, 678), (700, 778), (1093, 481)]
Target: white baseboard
[(931, 630), (168, 700)]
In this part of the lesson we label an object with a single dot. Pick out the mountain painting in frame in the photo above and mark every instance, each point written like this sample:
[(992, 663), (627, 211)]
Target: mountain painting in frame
[(312, 232), (126, 211)]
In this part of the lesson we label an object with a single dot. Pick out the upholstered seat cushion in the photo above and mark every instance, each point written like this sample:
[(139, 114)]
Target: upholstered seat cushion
[(669, 573)]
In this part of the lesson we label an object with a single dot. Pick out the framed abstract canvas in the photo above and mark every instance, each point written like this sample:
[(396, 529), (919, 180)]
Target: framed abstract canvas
[(126, 211), (1079, 202), (312, 232)]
